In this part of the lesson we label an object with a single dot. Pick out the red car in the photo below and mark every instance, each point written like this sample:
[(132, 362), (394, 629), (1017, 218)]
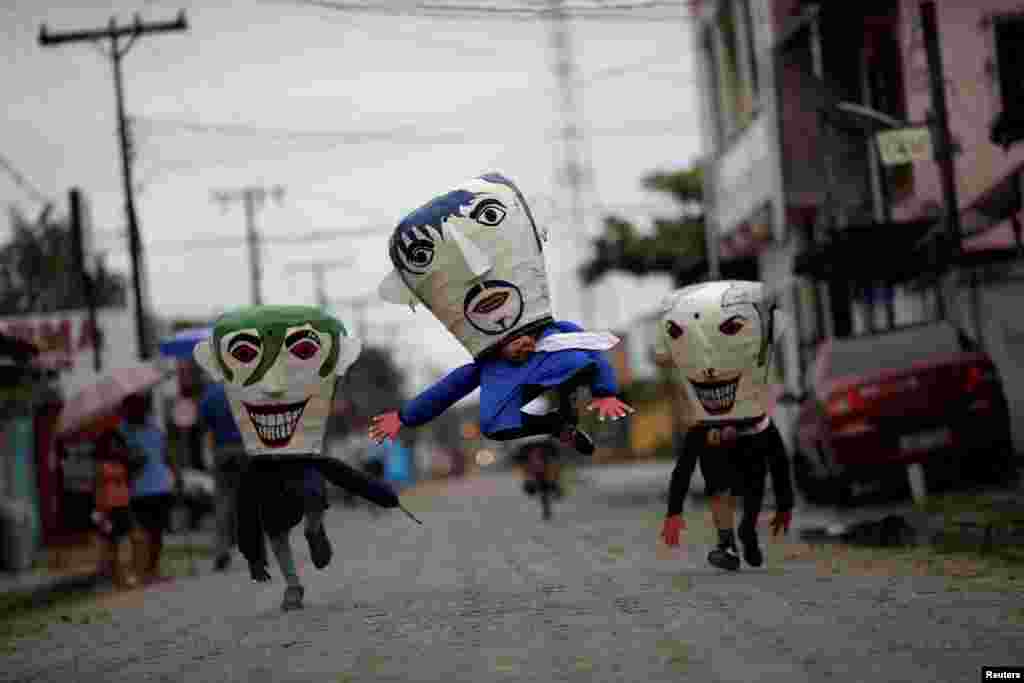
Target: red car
[(919, 394)]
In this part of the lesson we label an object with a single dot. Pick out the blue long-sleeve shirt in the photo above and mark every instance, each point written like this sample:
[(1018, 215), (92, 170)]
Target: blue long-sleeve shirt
[(501, 383)]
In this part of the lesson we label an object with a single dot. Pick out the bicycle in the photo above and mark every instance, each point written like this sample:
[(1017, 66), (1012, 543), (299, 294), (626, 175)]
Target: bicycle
[(543, 473)]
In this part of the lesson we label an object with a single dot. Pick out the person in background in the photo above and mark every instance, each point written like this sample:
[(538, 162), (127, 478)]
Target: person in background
[(113, 513), (229, 453), (152, 487)]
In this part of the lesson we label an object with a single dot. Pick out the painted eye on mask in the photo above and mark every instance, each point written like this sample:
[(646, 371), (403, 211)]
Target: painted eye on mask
[(733, 325), (244, 348), (674, 330), (490, 212), (303, 345), (420, 254)]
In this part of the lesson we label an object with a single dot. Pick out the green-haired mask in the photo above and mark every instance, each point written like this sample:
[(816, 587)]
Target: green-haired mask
[(279, 365)]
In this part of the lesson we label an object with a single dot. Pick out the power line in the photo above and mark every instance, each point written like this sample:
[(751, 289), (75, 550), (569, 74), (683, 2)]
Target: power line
[(229, 242), (607, 12), (23, 182), (637, 129)]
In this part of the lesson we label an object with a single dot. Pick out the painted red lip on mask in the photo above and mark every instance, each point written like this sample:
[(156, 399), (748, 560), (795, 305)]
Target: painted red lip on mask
[(491, 302)]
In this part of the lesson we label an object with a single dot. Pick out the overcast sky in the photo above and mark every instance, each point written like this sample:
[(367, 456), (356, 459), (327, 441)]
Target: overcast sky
[(360, 117)]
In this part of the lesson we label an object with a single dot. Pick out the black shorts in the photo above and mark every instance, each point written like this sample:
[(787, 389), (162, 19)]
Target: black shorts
[(153, 513), (122, 520), (731, 469)]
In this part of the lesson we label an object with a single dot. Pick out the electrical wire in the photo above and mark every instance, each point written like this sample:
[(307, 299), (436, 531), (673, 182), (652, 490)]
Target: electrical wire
[(23, 182), (606, 12)]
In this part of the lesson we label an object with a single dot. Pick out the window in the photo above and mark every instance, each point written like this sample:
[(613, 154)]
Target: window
[(1009, 34), (734, 81)]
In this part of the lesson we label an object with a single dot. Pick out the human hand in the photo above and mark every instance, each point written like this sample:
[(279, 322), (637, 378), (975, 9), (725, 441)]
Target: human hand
[(258, 572), (609, 407), (780, 522), (385, 426), (672, 529)]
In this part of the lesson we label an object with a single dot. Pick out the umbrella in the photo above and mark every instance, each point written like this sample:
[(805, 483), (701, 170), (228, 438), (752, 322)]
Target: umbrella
[(105, 396), (182, 343)]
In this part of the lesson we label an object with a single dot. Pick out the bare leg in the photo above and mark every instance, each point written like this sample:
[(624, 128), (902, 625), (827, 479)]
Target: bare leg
[(723, 511), (282, 547), (293, 592)]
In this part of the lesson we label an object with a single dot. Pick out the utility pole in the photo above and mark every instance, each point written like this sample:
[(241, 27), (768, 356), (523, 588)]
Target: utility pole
[(121, 39), (319, 270), (358, 304), (571, 169), (252, 198), (939, 120)]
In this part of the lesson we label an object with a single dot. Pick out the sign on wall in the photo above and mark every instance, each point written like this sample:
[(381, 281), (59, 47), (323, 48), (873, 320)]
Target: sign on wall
[(905, 145), (66, 341)]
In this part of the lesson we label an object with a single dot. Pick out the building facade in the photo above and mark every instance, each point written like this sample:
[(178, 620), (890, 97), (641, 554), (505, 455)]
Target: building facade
[(793, 94)]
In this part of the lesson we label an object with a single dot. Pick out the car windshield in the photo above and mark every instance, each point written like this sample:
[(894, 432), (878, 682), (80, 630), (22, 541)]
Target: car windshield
[(893, 350)]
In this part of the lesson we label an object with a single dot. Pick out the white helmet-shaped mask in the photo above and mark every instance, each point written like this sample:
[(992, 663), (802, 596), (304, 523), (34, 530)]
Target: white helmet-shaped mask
[(474, 258), (720, 336)]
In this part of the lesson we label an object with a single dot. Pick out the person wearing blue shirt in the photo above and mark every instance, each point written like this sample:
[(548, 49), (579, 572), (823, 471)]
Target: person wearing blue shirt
[(510, 378), (229, 453), (153, 485)]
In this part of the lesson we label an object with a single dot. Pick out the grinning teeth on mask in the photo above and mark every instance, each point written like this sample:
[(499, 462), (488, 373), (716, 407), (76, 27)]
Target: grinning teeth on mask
[(716, 397), (276, 423)]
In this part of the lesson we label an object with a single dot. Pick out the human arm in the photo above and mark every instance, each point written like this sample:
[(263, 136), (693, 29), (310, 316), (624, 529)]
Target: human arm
[(682, 474), (448, 391), (782, 487)]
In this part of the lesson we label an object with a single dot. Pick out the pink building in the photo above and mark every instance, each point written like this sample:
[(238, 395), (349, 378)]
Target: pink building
[(982, 46), (793, 93)]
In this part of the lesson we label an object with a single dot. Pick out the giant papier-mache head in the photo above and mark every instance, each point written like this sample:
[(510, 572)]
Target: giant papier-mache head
[(279, 365), (720, 336), (474, 257)]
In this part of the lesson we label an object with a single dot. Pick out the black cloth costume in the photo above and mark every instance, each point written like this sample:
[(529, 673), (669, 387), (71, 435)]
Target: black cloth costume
[(275, 494), (739, 468)]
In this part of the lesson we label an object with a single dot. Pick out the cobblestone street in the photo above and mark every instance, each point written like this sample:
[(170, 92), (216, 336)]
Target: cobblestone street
[(486, 591)]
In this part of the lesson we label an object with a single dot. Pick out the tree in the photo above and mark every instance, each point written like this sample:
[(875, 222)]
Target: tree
[(38, 273), (372, 385), (676, 246)]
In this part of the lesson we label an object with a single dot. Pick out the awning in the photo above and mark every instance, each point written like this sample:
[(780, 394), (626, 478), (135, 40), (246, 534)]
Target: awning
[(875, 252), (997, 204)]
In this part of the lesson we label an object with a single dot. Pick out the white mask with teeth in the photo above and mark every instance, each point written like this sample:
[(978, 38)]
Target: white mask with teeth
[(720, 335), (280, 366)]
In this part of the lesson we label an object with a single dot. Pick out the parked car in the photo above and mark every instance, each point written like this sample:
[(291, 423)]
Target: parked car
[(877, 403)]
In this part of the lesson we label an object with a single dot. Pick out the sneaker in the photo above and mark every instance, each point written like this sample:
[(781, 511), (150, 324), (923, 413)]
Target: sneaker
[(725, 557), (293, 598), (319, 547), (530, 487), (222, 563), (578, 439), (752, 554)]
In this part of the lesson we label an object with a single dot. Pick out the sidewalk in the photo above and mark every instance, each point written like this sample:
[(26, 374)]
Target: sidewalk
[(36, 584)]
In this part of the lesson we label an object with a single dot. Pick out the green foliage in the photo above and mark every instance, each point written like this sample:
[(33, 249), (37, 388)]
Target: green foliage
[(38, 274), (372, 385), (675, 247)]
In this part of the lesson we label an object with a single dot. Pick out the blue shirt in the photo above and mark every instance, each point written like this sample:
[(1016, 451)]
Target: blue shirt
[(155, 477), (501, 383), (216, 413)]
